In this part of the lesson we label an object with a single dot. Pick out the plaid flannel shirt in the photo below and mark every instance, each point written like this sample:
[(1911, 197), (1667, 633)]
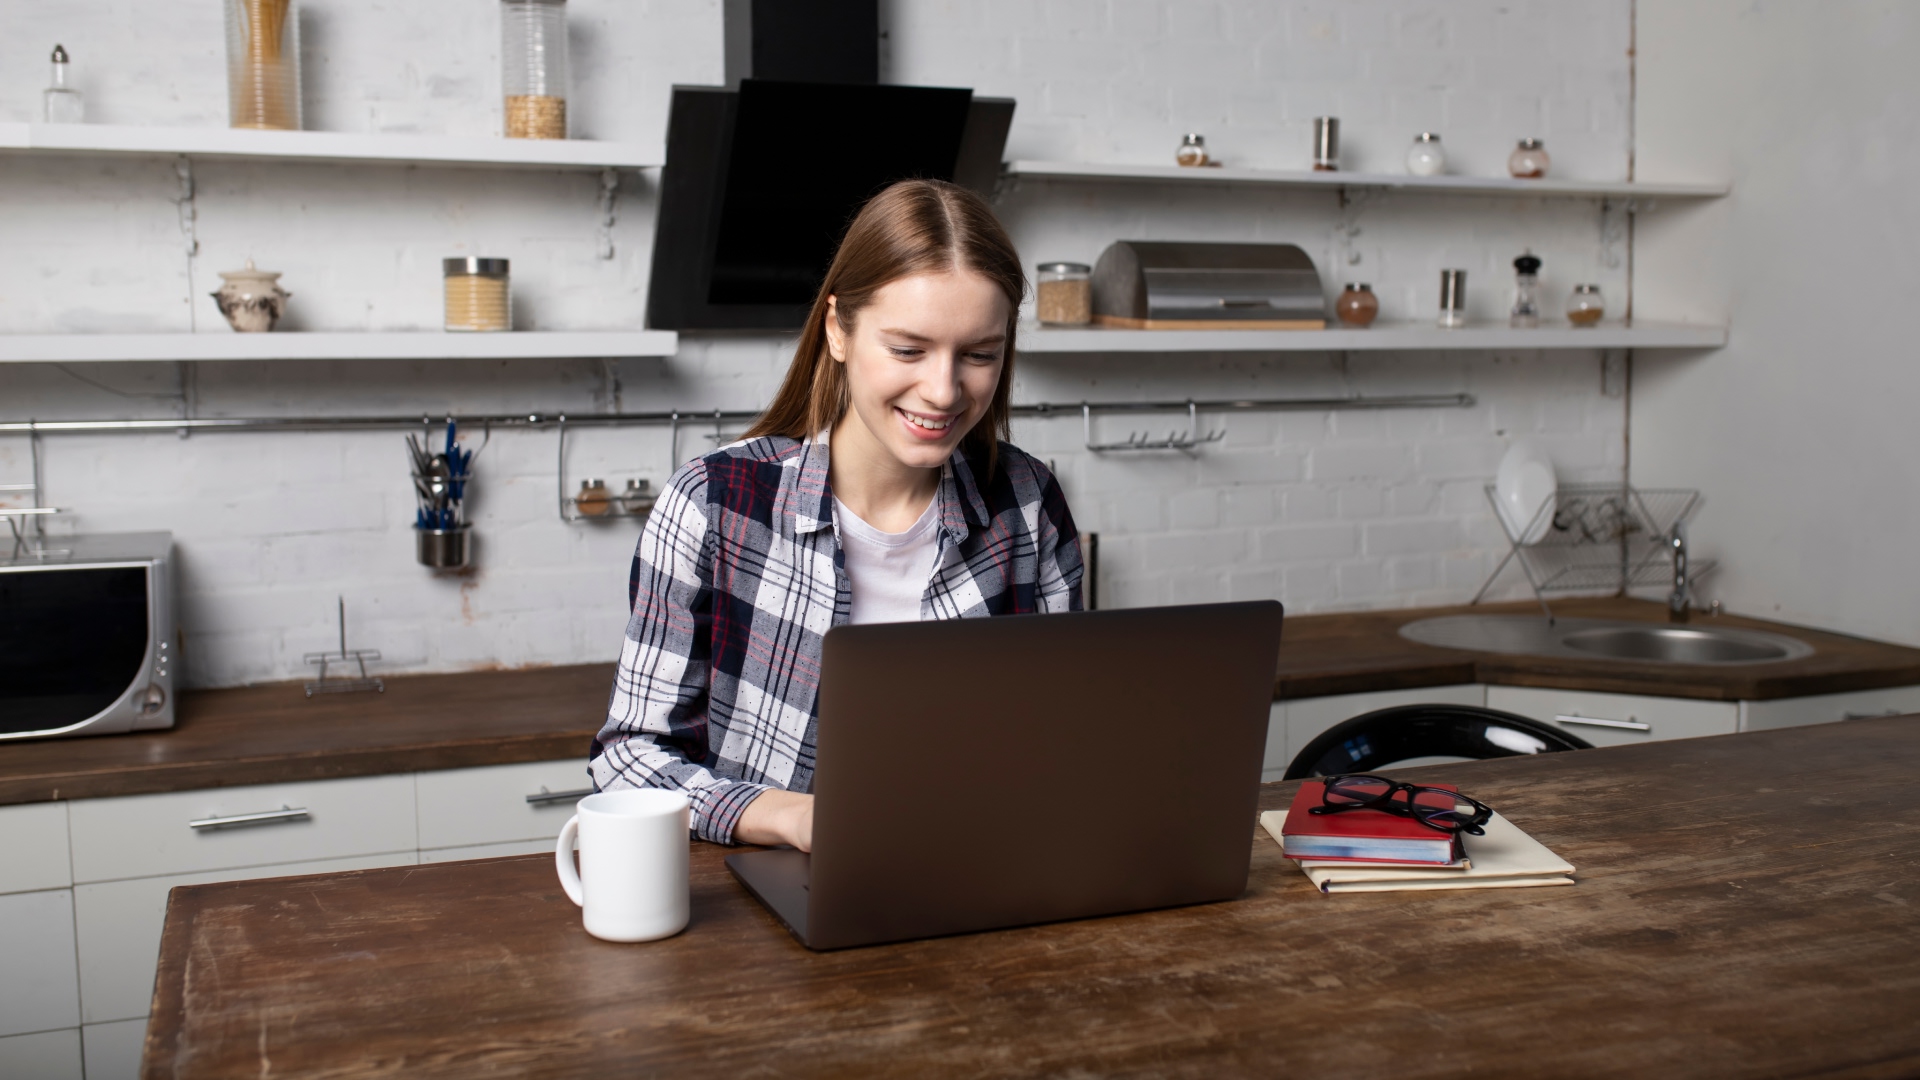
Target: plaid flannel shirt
[(737, 579)]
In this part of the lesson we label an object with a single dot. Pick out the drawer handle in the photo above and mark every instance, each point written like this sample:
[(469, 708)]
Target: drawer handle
[(1868, 715), (1588, 721), (544, 796), (265, 817)]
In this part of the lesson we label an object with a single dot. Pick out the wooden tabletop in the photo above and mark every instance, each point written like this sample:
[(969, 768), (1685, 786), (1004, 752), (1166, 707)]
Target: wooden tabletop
[(1746, 906)]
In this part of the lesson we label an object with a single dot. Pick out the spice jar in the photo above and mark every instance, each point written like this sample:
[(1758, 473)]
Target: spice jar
[(1326, 144), (478, 297), (1064, 294), (1193, 151), (60, 103), (1529, 160), (1526, 305), (1586, 305), (1426, 157), (1357, 306), (533, 54), (594, 499), (263, 64), (1453, 299)]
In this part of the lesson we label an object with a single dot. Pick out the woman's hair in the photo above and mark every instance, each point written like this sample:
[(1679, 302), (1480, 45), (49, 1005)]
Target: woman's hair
[(912, 227)]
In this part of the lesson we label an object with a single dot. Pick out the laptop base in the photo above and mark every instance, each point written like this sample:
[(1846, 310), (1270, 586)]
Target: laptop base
[(777, 877)]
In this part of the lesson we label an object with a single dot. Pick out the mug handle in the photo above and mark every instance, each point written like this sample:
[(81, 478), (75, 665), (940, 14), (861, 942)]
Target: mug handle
[(563, 862)]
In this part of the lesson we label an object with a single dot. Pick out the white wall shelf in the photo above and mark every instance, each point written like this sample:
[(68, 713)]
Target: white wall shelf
[(296, 345), (327, 146), (1382, 337), (1328, 181)]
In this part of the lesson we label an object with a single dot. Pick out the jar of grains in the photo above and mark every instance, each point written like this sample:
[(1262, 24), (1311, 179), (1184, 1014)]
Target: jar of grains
[(477, 294), (533, 54), (1065, 294)]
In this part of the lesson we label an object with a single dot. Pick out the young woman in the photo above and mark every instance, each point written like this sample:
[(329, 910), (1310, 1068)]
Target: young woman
[(875, 488)]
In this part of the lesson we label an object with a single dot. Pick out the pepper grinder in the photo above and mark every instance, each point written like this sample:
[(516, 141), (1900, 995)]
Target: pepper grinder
[(1526, 306)]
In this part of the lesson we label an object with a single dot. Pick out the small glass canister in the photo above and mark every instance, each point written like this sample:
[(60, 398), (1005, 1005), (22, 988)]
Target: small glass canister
[(533, 52), (1064, 294), (1426, 157), (1529, 160), (1357, 306), (1586, 305), (263, 64), (478, 295), (1193, 151), (1326, 144), (1453, 299)]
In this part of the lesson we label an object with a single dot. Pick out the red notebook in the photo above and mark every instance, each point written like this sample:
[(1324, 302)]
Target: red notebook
[(1361, 835)]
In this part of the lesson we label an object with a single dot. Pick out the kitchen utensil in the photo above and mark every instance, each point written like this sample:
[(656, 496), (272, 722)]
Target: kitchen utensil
[(1523, 485), (1526, 305), (631, 883)]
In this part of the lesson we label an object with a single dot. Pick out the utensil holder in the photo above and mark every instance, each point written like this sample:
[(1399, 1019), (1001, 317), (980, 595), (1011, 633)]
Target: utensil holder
[(444, 549)]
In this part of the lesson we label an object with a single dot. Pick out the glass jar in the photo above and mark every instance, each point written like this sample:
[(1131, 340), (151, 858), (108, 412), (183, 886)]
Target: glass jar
[(533, 55), (594, 499), (1063, 294), (1526, 304), (478, 294), (1529, 160), (1326, 144), (1357, 306), (1426, 157), (1586, 305), (263, 64), (1453, 299), (60, 103), (1193, 151)]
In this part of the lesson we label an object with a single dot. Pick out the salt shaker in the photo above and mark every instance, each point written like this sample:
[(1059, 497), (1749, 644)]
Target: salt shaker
[(60, 103), (1426, 157), (1529, 160)]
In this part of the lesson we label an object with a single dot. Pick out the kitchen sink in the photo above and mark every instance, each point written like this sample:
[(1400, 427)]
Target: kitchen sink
[(1606, 639)]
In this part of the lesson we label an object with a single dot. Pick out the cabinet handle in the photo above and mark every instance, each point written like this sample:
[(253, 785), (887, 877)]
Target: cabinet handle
[(543, 797), (1589, 721), (1868, 715), (265, 817)]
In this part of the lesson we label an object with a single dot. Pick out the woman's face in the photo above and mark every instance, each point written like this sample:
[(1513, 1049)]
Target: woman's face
[(922, 363)]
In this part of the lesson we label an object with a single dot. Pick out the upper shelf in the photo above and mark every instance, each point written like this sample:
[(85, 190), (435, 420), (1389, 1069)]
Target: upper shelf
[(1447, 185), (1384, 337), (326, 146), (300, 345)]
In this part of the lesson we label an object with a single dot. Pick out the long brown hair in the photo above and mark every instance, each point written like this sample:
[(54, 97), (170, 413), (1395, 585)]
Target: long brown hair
[(912, 227)]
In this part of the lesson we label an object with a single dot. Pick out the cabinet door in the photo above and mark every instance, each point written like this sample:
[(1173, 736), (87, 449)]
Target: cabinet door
[(33, 847), (1308, 717), (147, 835), (465, 807), (1618, 719), (44, 1055), (1829, 708), (119, 923), (38, 988)]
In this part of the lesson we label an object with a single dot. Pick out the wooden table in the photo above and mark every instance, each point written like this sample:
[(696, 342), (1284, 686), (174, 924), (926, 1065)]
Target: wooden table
[(1747, 906)]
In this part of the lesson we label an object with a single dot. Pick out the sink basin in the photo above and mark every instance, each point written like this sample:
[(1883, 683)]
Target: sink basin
[(1606, 639)]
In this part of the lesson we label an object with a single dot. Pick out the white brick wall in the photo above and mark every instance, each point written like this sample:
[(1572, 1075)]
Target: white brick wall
[(1324, 511)]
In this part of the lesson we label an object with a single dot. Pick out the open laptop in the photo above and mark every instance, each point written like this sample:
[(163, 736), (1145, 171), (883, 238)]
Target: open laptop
[(974, 774)]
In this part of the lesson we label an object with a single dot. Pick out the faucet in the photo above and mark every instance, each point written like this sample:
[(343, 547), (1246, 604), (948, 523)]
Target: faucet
[(1680, 601)]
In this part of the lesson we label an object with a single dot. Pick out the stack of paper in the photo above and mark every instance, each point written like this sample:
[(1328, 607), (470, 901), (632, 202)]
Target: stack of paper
[(1505, 858)]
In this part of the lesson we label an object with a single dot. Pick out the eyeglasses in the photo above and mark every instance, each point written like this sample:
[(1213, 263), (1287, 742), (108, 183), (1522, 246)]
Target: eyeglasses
[(1436, 808)]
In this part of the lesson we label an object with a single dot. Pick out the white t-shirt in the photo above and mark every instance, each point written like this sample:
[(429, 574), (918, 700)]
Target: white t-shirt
[(888, 571)]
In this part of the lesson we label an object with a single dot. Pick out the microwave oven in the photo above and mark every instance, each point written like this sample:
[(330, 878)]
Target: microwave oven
[(86, 636)]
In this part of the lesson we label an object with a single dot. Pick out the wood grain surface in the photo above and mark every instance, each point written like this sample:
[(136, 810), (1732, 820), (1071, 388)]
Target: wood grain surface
[(1747, 906)]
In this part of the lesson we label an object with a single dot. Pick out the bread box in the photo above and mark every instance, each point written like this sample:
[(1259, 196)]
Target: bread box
[(1179, 285)]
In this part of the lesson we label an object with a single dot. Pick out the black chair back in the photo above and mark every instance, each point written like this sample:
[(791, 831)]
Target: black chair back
[(1378, 739)]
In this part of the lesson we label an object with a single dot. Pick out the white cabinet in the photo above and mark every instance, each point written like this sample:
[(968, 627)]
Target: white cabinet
[(1306, 718), (39, 992), (44, 1055), (1829, 708), (113, 1050), (487, 809), (1618, 719), (33, 847)]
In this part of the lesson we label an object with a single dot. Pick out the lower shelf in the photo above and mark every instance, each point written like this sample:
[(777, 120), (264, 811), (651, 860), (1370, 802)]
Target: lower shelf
[(224, 344), (1384, 337)]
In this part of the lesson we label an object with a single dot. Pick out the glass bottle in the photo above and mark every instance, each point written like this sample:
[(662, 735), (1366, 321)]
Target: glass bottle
[(60, 103), (1526, 306), (1453, 299), (1326, 144), (533, 54), (263, 64), (1529, 160), (1193, 151), (1063, 294), (1357, 305), (1426, 157), (1586, 305)]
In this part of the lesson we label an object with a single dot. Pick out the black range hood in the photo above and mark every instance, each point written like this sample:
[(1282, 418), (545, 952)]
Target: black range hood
[(762, 176)]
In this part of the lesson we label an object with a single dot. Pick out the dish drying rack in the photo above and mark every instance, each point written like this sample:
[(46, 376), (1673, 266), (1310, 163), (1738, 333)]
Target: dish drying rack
[(1596, 537)]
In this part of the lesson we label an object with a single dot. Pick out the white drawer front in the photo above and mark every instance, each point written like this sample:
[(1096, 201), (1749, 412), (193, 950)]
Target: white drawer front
[(38, 987), (46, 1055), (1829, 708), (1618, 719), (1308, 717), (119, 924), (487, 851), (145, 835), (33, 847), (462, 807)]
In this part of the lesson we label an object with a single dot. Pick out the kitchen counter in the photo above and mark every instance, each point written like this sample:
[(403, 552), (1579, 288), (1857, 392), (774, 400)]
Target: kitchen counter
[(274, 733)]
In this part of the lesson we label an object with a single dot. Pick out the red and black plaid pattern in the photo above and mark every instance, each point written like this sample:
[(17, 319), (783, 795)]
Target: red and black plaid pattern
[(738, 577)]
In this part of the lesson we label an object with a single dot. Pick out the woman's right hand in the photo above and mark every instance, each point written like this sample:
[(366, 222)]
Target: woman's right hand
[(777, 817)]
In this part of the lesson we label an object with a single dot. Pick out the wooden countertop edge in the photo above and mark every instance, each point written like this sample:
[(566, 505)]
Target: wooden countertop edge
[(1705, 684)]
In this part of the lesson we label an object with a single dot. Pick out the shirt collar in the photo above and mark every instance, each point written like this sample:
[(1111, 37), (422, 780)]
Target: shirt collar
[(809, 498)]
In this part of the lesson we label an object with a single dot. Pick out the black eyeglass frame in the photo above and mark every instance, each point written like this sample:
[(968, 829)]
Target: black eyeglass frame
[(1386, 802)]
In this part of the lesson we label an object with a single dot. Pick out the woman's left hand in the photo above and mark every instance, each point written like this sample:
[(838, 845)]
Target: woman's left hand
[(777, 817)]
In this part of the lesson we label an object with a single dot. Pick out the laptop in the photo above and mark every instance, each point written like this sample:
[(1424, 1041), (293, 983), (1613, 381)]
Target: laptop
[(975, 774)]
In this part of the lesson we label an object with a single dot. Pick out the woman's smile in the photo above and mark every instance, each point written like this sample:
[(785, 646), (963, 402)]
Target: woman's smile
[(929, 426)]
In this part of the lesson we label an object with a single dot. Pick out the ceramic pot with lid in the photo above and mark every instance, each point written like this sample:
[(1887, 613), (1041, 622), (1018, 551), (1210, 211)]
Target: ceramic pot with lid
[(251, 299)]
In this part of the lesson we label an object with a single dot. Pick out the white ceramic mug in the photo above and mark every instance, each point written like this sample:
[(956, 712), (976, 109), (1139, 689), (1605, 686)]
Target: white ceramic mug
[(632, 879)]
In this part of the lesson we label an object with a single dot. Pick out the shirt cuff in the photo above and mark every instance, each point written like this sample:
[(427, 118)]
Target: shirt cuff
[(717, 809)]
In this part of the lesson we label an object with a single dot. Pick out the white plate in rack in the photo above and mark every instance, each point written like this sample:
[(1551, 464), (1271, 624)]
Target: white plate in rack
[(1524, 484)]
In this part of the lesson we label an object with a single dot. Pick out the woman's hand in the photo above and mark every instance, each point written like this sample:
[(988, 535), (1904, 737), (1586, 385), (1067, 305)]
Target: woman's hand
[(777, 817)]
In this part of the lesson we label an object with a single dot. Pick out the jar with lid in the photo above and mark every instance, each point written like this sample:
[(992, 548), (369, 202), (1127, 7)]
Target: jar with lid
[(594, 499), (1529, 160), (533, 55), (1193, 151), (1586, 305), (1426, 157), (1453, 299), (60, 103), (1357, 305), (1526, 304), (263, 64), (479, 297), (1063, 295)]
